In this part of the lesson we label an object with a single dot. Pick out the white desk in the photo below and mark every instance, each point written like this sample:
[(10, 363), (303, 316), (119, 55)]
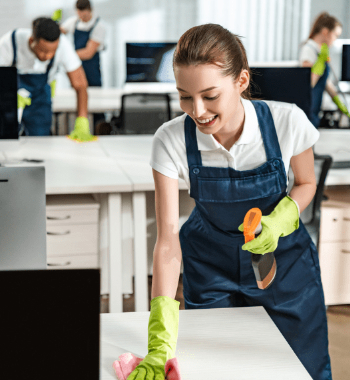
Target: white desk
[(107, 99), (73, 168), (336, 143), (234, 343)]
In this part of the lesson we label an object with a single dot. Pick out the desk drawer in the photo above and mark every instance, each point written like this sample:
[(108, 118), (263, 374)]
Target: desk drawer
[(335, 269), (335, 224), (65, 217), (72, 240), (73, 262)]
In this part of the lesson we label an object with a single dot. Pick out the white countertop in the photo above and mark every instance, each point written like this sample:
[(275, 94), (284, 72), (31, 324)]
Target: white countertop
[(233, 343)]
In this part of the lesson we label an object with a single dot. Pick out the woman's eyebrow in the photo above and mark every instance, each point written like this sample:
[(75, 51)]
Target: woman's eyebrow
[(207, 89)]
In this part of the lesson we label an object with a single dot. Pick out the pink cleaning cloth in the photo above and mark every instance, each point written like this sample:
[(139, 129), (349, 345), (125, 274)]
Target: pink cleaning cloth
[(128, 362)]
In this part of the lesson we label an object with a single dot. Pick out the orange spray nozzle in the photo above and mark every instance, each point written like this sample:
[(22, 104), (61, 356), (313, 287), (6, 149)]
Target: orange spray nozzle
[(250, 223)]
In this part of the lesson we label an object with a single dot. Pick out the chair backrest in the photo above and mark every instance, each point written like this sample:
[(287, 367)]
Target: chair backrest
[(311, 216), (144, 113)]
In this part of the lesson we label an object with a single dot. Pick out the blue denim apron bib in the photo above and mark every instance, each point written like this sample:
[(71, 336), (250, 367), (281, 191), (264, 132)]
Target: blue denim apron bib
[(37, 117), (91, 66), (218, 273)]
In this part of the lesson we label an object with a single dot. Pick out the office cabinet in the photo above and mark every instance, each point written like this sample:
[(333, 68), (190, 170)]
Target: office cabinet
[(334, 249), (72, 228)]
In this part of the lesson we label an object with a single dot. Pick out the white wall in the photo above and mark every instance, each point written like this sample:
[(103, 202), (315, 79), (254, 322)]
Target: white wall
[(271, 29)]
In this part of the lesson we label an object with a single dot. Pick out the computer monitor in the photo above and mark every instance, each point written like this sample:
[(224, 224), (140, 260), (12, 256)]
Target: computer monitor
[(22, 218), (283, 84), (345, 66), (8, 103), (150, 62), (49, 324)]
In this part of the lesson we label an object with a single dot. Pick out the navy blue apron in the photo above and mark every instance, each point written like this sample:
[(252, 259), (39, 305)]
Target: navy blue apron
[(37, 117), (218, 273), (316, 96), (91, 66)]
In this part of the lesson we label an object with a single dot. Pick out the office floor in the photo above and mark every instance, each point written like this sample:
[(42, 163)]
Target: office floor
[(338, 327)]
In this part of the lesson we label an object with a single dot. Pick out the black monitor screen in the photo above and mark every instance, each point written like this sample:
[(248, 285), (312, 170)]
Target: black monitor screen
[(283, 84), (49, 324), (150, 62), (345, 67), (8, 103)]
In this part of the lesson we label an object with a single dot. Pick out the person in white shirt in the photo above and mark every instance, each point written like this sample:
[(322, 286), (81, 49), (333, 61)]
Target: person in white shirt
[(234, 154), (314, 53), (36, 54), (89, 40)]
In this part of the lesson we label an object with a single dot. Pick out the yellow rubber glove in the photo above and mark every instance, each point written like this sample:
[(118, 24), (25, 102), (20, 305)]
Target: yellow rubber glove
[(81, 132), (283, 220), (341, 105), (57, 15), (162, 338), (23, 101), (323, 57), (53, 88)]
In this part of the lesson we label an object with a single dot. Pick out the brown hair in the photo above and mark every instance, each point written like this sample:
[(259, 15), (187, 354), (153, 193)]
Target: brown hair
[(83, 5), (324, 20), (213, 44)]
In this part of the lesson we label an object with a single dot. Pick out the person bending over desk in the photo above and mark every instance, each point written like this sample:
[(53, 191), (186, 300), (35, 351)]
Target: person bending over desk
[(314, 53), (36, 54), (89, 40), (234, 154)]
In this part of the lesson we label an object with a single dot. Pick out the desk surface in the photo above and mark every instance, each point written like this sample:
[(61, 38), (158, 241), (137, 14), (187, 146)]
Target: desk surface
[(133, 153), (108, 99), (71, 168), (240, 343)]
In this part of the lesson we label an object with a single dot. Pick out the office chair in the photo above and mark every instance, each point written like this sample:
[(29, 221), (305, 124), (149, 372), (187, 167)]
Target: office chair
[(141, 113), (311, 216)]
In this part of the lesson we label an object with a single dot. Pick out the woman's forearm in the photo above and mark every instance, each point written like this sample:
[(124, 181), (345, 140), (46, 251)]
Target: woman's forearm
[(166, 269), (303, 195)]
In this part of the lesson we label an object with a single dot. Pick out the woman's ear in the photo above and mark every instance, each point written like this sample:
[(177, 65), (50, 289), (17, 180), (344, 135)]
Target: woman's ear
[(243, 80)]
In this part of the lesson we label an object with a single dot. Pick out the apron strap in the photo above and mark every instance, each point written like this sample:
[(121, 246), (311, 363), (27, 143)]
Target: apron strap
[(14, 46), (268, 130), (194, 157)]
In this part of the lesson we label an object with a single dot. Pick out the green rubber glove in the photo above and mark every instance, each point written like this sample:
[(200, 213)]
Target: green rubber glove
[(23, 101), (320, 65), (53, 88), (341, 105), (57, 15), (283, 220), (162, 337), (81, 132)]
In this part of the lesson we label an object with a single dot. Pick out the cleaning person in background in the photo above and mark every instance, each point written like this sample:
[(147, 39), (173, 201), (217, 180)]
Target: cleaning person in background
[(36, 54), (234, 154), (89, 40), (314, 53)]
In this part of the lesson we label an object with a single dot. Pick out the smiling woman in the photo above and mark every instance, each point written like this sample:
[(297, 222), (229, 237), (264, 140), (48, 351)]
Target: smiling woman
[(234, 155)]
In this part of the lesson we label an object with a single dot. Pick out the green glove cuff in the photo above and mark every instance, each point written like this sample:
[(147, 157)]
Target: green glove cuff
[(320, 64), (340, 105), (57, 15), (163, 329), (53, 88), (23, 101)]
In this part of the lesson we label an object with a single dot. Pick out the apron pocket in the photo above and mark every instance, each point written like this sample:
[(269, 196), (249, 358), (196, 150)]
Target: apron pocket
[(295, 277), (238, 189)]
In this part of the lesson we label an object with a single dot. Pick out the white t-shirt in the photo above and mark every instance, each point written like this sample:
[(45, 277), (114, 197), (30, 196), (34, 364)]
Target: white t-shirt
[(309, 51), (294, 131), (98, 34), (28, 63)]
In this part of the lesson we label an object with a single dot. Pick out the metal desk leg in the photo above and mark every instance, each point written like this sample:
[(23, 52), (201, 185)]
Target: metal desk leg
[(115, 253), (140, 251)]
